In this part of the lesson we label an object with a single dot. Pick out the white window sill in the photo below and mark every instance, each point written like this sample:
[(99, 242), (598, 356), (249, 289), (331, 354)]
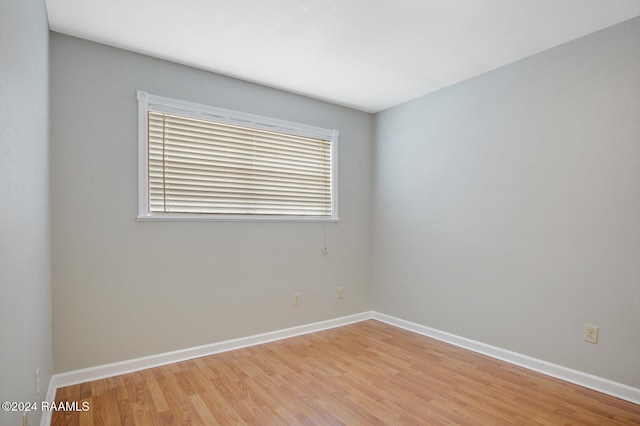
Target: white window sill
[(230, 218)]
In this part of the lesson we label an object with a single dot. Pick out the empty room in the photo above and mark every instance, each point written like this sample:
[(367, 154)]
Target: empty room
[(282, 212)]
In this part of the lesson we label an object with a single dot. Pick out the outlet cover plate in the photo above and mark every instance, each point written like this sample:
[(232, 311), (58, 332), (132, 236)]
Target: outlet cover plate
[(590, 333)]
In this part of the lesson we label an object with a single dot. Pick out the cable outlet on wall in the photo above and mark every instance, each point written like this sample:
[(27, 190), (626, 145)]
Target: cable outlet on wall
[(296, 299), (340, 292), (590, 333)]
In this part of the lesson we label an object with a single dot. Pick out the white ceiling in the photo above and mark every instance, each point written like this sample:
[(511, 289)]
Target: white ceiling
[(366, 54)]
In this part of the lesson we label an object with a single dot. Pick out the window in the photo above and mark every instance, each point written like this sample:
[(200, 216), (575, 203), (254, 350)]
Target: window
[(203, 163)]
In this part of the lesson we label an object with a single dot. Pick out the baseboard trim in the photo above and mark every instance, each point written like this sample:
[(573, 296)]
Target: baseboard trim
[(580, 378), (123, 367), (45, 419)]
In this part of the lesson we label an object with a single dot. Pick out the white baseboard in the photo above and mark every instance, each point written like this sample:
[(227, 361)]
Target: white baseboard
[(586, 380), (123, 367), (45, 419)]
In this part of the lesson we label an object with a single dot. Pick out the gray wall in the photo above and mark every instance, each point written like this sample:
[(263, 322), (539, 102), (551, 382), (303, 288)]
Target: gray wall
[(125, 289), (507, 207), (25, 251)]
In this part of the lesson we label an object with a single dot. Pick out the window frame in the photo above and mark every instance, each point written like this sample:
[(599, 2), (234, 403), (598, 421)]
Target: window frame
[(148, 102)]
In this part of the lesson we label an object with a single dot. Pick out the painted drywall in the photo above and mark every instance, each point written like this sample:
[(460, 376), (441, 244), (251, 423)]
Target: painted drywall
[(507, 207), (25, 249), (125, 289)]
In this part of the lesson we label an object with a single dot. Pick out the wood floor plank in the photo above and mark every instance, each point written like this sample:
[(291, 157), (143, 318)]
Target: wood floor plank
[(126, 413), (362, 374), (285, 400), (204, 412)]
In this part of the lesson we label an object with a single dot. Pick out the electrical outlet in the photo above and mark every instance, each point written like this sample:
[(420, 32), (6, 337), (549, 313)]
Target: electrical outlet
[(296, 299), (340, 292), (590, 333)]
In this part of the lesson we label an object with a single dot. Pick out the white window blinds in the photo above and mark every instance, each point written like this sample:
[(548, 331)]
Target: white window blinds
[(217, 167)]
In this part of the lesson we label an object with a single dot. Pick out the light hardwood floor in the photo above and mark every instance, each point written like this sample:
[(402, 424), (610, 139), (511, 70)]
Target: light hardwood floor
[(360, 374)]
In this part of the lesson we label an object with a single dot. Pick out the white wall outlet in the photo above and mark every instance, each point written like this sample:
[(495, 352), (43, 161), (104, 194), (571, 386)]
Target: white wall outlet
[(340, 292), (296, 299), (590, 333)]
